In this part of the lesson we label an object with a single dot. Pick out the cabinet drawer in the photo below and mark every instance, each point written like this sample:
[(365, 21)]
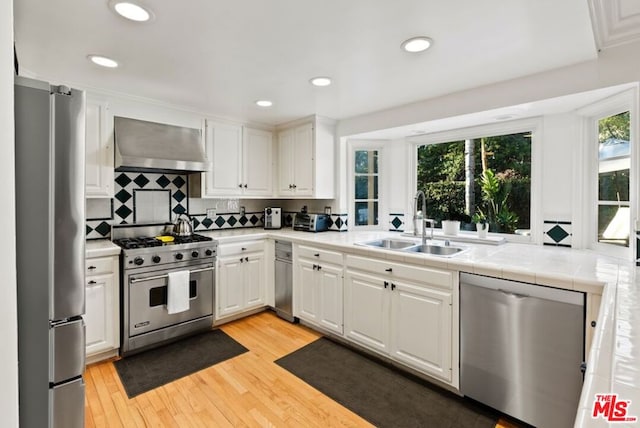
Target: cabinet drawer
[(240, 248), (440, 278), (99, 265), (320, 255)]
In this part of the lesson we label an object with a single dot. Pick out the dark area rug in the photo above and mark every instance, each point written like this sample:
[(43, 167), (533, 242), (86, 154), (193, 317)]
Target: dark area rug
[(153, 368), (379, 393)]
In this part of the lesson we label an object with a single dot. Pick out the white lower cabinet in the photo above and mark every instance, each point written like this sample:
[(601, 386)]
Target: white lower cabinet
[(409, 319), (240, 278), (102, 314), (319, 290), (421, 328)]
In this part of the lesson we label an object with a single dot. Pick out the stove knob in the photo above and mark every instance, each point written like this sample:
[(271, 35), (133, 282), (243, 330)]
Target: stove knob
[(208, 252), (156, 259), (179, 256), (194, 254), (138, 261)]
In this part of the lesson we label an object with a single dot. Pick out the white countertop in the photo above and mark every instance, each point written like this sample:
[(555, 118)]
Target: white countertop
[(614, 365), (101, 248)]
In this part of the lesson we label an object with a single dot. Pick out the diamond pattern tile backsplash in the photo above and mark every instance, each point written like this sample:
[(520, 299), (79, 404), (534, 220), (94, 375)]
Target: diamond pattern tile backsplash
[(557, 233), (174, 189), (127, 183), (396, 222)]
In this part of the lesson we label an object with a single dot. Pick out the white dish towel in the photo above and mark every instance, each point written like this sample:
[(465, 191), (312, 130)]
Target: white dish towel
[(178, 292)]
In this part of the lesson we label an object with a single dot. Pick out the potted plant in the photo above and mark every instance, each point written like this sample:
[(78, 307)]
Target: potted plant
[(495, 194), (482, 226), (452, 219)]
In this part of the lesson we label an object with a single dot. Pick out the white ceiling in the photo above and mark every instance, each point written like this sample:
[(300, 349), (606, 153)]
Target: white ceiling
[(219, 57)]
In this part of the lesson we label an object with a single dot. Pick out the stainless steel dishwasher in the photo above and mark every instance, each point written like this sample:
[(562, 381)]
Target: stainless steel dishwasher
[(284, 281), (522, 348)]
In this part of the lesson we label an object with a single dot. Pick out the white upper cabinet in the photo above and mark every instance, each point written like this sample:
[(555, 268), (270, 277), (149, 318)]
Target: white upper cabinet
[(223, 145), (306, 159), (257, 153), (241, 162), (98, 148)]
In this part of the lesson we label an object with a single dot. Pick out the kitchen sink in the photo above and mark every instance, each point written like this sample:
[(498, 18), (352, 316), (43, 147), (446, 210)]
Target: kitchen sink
[(436, 250), (390, 244)]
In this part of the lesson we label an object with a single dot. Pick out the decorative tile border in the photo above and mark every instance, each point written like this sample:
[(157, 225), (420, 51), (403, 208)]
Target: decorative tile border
[(557, 233), (98, 228), (227, 221), (126, 183), (338, 222), (396, 222)]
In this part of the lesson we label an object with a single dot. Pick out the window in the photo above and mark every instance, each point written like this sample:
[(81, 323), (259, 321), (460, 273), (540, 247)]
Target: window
[(609, 202), (487, 177), (366, 187), (614, 167)]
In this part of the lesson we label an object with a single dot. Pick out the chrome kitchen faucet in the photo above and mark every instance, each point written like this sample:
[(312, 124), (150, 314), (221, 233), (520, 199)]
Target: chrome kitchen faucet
[(424, 221)]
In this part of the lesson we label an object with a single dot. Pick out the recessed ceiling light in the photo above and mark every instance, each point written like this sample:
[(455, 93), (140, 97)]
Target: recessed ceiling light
[(264, 103), (320, 81), (417, 44), (131, 10), (103, 61)]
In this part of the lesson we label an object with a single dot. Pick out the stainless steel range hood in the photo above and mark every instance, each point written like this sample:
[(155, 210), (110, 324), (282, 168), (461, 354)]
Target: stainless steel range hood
[(151, 147)]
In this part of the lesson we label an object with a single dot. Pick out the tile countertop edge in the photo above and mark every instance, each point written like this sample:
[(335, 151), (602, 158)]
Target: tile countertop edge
[(602, 355), (100, 248)]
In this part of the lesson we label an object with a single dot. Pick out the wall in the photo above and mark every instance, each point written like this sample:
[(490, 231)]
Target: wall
[(8, 300), (561, 132), (613, 66)]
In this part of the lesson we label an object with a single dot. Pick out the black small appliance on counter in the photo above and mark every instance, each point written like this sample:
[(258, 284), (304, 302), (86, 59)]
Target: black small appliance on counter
[(311, 222)]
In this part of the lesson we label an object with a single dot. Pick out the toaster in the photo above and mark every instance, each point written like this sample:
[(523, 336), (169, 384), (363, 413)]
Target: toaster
[(311, 222)]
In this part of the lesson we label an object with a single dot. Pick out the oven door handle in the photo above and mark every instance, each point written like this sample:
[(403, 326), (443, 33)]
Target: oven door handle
[(150, 278)]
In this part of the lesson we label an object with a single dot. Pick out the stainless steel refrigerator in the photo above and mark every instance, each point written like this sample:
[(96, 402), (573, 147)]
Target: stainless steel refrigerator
[(50, 223)]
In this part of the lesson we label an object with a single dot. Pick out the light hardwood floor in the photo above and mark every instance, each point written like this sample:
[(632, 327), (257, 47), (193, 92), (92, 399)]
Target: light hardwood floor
[(248, 390)]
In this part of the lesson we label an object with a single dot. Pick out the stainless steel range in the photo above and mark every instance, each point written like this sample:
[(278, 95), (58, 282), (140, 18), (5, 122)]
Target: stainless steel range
[(145, 266)]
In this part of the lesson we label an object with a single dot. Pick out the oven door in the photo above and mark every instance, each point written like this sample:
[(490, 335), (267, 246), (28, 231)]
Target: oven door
[(148, 299)]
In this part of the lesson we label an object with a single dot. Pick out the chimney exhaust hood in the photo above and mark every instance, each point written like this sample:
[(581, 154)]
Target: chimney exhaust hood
[(155, 147)]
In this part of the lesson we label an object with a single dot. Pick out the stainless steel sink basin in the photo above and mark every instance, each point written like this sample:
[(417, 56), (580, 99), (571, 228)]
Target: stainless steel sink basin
[(390, 244), (436, 250)]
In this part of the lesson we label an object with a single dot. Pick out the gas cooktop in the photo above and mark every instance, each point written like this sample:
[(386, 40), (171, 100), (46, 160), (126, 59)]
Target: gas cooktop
[(147, 242)]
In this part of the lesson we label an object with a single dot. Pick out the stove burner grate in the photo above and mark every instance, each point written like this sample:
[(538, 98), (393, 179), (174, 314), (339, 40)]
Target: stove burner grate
[(146, 242)]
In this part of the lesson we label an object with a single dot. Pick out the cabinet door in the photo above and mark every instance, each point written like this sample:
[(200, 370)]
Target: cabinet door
[(257, 165), (254, 280), (230, 286), (366, 311), (330, 297), (307, 291), (223, 144), (303, 161), (99, 314), (285, 162), (98, 149), (421, 328)]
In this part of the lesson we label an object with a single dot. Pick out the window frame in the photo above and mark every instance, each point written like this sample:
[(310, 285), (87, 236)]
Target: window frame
[(353, 146), (588, 206), (532, 125)]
